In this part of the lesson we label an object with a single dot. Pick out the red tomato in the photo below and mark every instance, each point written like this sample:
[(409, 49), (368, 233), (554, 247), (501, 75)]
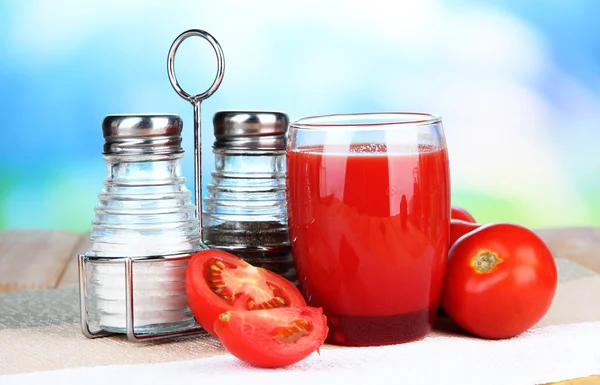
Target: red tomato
[(217, 281), (272, 338), (458, 228), (500, 280), (462, 214)]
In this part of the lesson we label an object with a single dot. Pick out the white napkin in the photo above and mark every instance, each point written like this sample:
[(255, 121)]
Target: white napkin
[(538, 356)]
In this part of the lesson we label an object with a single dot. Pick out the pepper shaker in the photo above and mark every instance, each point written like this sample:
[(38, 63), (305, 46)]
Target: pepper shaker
[(245, 210)]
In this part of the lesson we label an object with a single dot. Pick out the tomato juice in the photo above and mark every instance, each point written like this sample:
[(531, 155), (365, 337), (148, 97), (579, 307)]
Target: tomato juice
[(369, 229)]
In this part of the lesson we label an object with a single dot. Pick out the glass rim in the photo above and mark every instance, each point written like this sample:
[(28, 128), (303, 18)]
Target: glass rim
[(393, 119)]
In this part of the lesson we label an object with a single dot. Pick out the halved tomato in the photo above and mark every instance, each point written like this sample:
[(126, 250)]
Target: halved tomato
[(217, 281), (462, 214), (272, 338)]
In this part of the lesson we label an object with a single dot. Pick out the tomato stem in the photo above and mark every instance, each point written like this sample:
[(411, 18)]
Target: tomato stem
[(485, 261)]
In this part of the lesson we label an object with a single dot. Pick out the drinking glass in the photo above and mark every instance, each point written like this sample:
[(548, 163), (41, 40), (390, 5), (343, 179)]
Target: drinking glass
[(368, 199)]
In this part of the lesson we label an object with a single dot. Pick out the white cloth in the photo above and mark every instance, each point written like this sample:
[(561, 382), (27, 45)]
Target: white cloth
[(541, 355)]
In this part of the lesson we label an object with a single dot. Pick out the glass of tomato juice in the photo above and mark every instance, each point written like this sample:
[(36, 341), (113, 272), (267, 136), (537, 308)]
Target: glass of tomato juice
[(368, 200)]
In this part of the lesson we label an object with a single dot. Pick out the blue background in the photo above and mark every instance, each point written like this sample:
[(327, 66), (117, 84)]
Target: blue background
[(516, 82)]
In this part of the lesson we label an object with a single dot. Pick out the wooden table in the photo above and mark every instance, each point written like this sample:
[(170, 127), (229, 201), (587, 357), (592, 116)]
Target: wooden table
[(46, 259), (39, 259)]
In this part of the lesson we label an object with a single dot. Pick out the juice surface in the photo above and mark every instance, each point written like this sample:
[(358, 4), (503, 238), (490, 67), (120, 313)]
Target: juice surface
[(369, 228)]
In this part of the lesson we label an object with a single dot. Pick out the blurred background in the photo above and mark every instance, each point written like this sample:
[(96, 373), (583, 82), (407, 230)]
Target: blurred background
[(517, 84)]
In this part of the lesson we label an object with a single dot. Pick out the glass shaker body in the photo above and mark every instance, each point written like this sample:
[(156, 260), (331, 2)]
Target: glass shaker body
[(144, 210), (245, 210)]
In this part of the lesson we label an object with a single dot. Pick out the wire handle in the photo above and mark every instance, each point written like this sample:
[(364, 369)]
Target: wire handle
[(220, 65), (196, 100)]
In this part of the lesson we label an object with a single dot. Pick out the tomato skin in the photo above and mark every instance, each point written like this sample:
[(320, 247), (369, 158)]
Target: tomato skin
[(206, 305), (252, 336), (462, 214), (513, 295), (458, 228)]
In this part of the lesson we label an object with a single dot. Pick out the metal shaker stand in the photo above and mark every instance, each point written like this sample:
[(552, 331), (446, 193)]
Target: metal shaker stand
[(196, 100), (129, 262)]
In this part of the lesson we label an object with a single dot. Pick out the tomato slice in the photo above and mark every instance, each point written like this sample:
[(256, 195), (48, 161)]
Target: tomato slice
[(272, 338), (462, 214), (217, 281), (458, 228)]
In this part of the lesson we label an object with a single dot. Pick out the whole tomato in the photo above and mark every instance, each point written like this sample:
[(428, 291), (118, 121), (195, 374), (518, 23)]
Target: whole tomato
[(458, 228), (500, 281), (462, 214)]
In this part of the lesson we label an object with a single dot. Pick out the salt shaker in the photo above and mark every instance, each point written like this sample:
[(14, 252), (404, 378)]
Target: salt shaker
[(245, 210), (144, 212)]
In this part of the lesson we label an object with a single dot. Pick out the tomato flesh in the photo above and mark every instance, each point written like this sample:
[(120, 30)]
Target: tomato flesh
[(462, 214), (217, 281), (248, 285), (500, 281), (458, 228), (272, 338)]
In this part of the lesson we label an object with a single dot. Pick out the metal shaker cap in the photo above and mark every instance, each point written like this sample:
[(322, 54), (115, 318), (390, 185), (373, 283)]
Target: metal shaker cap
[(251, 130), (144, 134)]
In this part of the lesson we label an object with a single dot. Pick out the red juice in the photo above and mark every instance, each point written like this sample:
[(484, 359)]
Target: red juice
[(369, 230)]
